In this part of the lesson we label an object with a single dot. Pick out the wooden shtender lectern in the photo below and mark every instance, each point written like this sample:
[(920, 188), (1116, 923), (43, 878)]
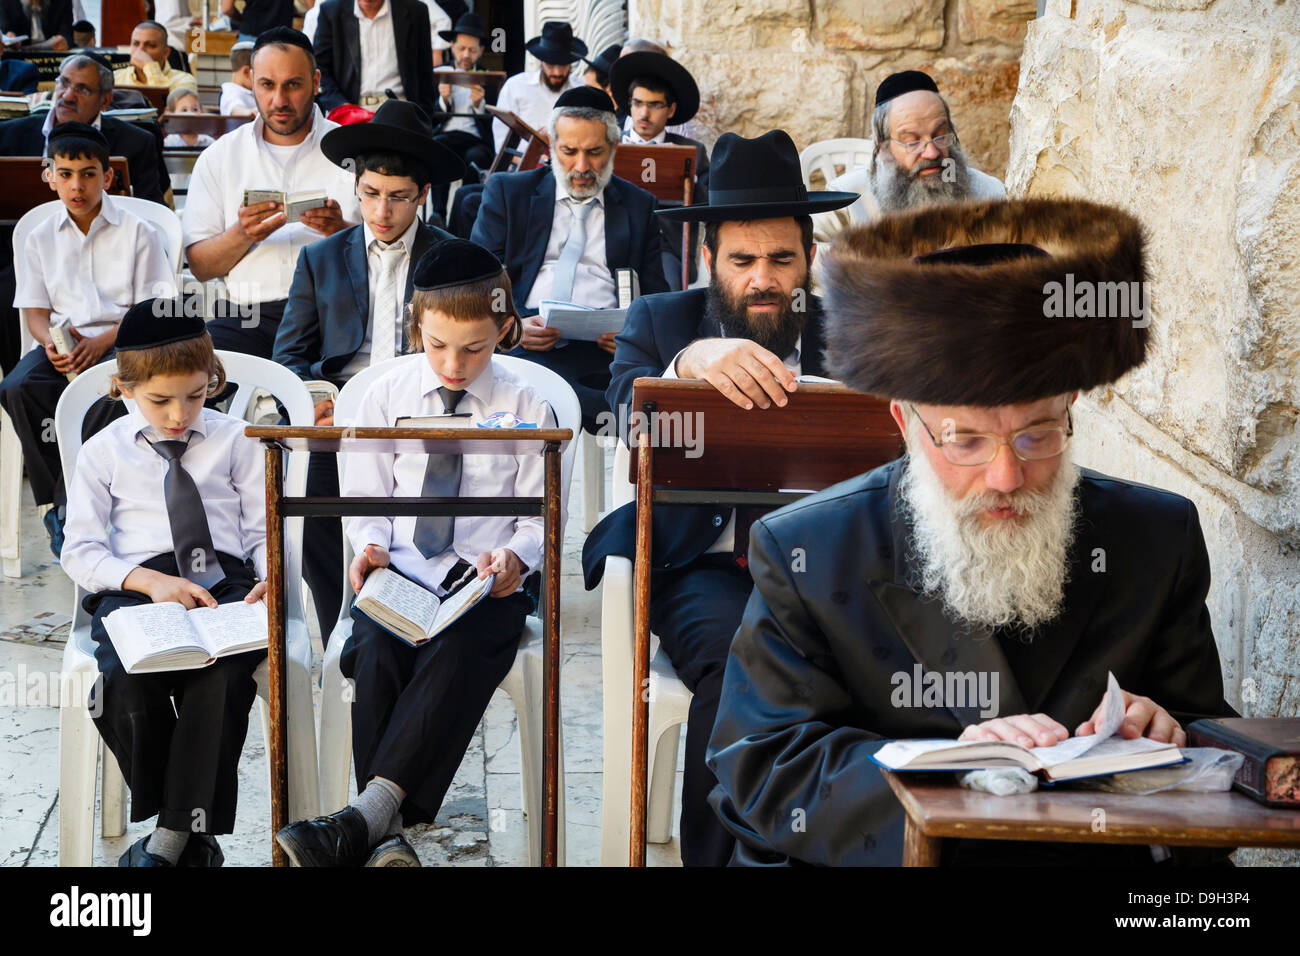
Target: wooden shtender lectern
[(25, 187), (826, 433), (519, 131), (156, 96), (667, 171), (455, 441), (210, 123), (490, 80)]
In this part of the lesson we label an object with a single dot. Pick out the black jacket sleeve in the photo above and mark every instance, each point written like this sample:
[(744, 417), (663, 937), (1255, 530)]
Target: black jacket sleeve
[(328, 50), (298, 340)]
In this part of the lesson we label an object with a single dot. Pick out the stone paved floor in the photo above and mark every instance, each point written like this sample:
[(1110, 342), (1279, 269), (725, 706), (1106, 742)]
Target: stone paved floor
[(34, 612)]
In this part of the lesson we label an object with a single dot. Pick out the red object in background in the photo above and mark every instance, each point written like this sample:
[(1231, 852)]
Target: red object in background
[(119, 19), (347, 114)]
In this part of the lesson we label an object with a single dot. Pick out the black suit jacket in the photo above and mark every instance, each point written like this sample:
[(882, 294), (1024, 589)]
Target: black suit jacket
[(514, 223), (142, 149), (809, 689), (56, 17), (325, 319), (338, 53), (657, 328), (672, 231)]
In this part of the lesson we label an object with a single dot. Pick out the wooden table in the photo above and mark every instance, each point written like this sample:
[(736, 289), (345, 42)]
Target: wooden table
[(938, 809), (455, 441)]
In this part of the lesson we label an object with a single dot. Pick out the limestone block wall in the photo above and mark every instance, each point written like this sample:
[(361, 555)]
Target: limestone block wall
[(811, 67)]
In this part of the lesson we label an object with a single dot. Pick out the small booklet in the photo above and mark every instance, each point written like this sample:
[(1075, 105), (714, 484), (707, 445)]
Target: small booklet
[(322, 391), (422, 613), (14, 106), (445, 420), (295, 204), (1099, 753), (64, 343), (579, 322), (629, 286), (166, 637), (14, 41)]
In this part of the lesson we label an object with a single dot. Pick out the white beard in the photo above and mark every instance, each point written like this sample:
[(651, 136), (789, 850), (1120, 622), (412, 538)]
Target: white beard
[(1010, 573), (583, 192)]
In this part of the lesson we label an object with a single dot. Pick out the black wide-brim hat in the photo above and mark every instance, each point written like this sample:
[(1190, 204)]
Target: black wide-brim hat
[(471, 24), (557, 44), (396, 127), (605, 61), (757, 179), (663, 68), (981, 303)]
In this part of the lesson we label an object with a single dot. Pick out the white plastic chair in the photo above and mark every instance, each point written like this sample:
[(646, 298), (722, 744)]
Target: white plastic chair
[(523, 684), (11, 452), (593, 480), (79, 743), (670, 704), (833, 157)]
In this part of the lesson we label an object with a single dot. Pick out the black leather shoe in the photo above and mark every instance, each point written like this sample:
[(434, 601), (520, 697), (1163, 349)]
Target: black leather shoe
[(137, 855), (395, 851), (201, 850), (53, 521), (340, 839)]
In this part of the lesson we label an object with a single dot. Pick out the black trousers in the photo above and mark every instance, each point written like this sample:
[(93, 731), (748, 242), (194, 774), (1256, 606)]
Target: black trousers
[(464, 210), (469, 148), (251, 334), (585, 366), (29, 394), (180, 761), (415, 708), (322, 546), (695, 612)]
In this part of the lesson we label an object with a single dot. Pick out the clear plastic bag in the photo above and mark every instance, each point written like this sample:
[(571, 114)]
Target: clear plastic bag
[(1002, 781), (1207, 770)]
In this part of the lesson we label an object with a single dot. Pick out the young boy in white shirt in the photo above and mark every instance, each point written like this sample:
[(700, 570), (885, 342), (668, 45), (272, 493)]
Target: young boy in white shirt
[(416, 708), (237, 93), (185, 100), (169, 504), (80, 270)]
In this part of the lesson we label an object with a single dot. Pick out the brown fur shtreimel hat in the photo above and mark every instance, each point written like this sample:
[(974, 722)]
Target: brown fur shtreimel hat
[(986, 304)]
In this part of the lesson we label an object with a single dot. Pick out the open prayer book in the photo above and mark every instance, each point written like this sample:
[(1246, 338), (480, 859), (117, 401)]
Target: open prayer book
[(412, 612), (1071, 759), (295, 204), (166, 637), (579, 322)]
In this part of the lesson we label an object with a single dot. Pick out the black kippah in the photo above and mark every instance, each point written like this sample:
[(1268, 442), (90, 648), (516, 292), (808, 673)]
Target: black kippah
[(588, 97), (896, 84), (454, 262), (79, 130), (156, 322), (286, 35)]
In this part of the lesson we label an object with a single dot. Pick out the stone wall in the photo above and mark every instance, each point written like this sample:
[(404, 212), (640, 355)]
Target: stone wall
[(811, 67), (1187, 113)]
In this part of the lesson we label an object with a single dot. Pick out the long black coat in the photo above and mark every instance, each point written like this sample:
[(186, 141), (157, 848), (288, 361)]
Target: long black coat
[(338, 54), (807, 693)]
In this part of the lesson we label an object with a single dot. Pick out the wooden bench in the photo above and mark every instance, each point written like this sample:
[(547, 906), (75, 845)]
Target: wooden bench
[(26, 188)]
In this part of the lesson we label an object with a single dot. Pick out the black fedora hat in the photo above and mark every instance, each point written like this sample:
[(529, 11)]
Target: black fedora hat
[(557, 44), (396, 127), (663, 68), (471, 24), (757, 179), (605, 61)]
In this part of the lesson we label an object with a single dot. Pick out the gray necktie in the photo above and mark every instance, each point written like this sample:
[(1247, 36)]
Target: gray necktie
[(384, 336), (566, 267), (433, 533), (196, 558)]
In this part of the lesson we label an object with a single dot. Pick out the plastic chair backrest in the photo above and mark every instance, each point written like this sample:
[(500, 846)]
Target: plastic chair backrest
[(824, 156)]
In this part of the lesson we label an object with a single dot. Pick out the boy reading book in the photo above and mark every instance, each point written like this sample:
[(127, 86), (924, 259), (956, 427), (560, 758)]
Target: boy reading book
[(168, 505), (416, 707)]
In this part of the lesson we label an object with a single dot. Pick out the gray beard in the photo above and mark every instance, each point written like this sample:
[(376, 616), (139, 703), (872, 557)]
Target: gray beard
[(583, 192), (896, 189), (1004, 575)]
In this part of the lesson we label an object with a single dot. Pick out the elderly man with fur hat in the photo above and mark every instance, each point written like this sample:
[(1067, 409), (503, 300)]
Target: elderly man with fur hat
[(983, 549)]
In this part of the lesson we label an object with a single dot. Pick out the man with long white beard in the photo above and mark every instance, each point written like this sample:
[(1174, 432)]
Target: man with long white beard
[(983, 551)]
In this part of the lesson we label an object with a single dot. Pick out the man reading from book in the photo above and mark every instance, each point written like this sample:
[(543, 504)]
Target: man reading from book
[(984, 550)]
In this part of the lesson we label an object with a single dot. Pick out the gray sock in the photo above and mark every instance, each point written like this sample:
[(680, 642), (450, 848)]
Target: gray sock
[(168, 844), (378, 803), (394, 825)]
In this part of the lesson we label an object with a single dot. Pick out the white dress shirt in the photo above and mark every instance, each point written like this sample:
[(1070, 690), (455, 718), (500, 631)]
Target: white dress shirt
[(309, 20), (412, 390), (726, 540), (630, 135), (438, 20), (378, 51), (374, 269), (117, 517), (241, 160), (525, 95), (235, 97), (593, 285), (460, 103), (89, 281)]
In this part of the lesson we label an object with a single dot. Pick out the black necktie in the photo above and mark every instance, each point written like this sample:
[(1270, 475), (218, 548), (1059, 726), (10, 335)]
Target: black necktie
[(196, 558), (433, 533)]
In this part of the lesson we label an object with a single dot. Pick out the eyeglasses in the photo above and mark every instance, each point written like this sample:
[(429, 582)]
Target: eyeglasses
[(1035, 443), (372, 200), (80, 89), (941, 142), (655, 105)]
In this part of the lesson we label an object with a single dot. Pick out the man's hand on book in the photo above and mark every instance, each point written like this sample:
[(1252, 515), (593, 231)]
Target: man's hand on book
[(745, 372), (255, 595), (260, 219), (167, 587), (537, 337), (507, 567), (324, 413), (373, 557), (1028, 730), (1143, 717), (326, 219)]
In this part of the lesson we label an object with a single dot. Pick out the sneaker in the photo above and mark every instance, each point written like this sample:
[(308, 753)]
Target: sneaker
[(394, 851), (340, 839), (53, 520), (201, 850), (137, 855)]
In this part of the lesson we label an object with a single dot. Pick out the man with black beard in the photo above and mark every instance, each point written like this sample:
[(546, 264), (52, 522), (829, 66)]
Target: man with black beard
[(750, 334), (916, 159), (983, 551)]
